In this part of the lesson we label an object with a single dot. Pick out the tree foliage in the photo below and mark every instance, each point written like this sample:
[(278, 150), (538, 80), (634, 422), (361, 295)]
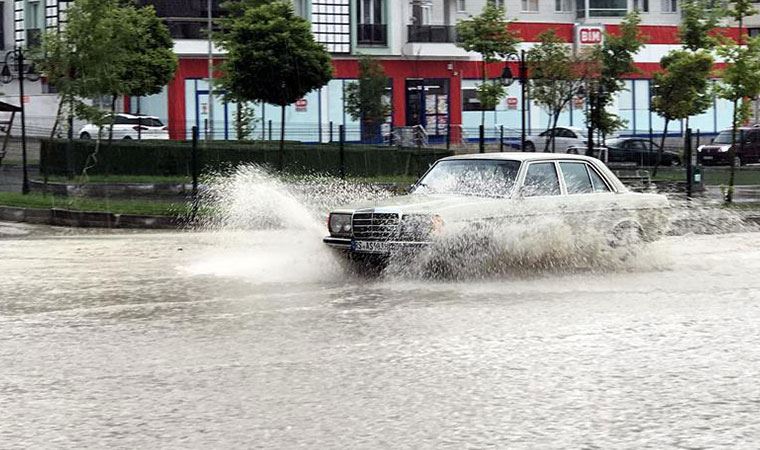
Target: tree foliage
[(365, 99), (271, 54), (740, 82), (616, 58), (698, 20), (558, 75), (107, 48), (489, 35)]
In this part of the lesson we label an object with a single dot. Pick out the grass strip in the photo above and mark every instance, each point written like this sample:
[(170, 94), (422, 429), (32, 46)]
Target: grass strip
[(126, 206)]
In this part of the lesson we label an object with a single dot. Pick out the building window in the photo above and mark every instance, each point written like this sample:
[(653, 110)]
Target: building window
[(330, 22), (461, 6), (370, 29), (529, 5), (470, 101), (753, 32), (498, 3), (563, 5), (669, 6), (641, 5), (608, 8)]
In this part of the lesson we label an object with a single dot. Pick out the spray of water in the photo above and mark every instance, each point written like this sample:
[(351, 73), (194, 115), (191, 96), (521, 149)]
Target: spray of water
[(271, 229)]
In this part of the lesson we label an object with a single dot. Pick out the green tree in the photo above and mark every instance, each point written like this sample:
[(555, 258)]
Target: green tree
[(682, 89), (365, 100), (698, 19), (488, 34), (738, 10), (615, 58), (107, 48), (271, 56), (740, 82), (558, 75)]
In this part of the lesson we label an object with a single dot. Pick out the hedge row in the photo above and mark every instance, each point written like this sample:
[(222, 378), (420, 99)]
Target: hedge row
[(173, 158)]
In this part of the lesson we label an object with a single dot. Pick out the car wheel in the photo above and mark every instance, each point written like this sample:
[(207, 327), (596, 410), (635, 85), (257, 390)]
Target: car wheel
[(85, 135), (530, 147), (127, 138), (675, 162), (737, 161)]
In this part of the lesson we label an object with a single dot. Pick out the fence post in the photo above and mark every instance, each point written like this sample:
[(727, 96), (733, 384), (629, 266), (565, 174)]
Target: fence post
[(270, 129), (482, 139), (194, 169), (501, 138), (341, 150), (687, 159), (331, 131), (448, 137)]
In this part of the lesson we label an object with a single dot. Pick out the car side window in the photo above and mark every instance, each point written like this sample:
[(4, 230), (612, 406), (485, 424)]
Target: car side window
[(547, 133), (597, 181), (576, 178), (118, 120), (541, 179)]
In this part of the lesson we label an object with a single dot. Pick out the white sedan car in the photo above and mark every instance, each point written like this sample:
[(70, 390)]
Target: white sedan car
[(468, 194), (129, 126), (564, 138)]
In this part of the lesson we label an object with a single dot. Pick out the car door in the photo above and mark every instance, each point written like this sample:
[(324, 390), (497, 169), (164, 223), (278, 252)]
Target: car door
[(639, 153), (565, 139), (752, 148), (540, 194)]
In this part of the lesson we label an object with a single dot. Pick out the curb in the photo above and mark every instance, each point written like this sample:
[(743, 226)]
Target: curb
[(86, 219)]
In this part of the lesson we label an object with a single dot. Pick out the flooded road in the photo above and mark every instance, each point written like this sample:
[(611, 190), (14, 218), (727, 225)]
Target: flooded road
[(258, 339)]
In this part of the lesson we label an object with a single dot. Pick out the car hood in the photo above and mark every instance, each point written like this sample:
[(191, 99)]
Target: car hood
[(422, 203)]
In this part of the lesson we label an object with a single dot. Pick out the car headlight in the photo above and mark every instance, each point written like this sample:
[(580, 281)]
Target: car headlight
[(420, 227), (724, 148), (340, 224)]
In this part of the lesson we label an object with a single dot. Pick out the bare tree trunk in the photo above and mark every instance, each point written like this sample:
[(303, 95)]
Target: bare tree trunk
[(550, 132), (282, 138), (57, 116), (113, 118), (554, 127), (662, 146), (482, 107), (732, 155)]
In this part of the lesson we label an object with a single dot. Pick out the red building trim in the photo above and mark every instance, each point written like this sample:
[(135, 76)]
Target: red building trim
[(399, 70)]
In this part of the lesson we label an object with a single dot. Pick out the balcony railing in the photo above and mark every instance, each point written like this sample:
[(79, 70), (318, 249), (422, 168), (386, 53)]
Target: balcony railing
[(431, 33), (372, 34), (188, 27)]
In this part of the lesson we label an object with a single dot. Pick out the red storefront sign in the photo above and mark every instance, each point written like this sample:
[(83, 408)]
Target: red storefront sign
[(511, 102), (302, 105)]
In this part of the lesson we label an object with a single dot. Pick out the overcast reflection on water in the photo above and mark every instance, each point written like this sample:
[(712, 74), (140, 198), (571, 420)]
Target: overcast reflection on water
[(258, 339)]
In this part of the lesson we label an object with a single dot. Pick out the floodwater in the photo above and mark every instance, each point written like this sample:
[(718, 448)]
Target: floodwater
[(251, 334), (258, 339)]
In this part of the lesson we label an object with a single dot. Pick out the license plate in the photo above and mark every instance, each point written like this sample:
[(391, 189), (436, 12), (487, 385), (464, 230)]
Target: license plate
[(370, 246), (707, 157)]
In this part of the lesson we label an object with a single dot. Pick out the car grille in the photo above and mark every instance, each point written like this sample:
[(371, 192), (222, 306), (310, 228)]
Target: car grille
[(375, 226)]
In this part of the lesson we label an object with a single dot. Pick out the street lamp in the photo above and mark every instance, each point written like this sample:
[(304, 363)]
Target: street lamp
[(16, 58), (507, 79)]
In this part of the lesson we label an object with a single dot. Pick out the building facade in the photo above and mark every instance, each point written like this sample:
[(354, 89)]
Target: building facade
[(433, 81)]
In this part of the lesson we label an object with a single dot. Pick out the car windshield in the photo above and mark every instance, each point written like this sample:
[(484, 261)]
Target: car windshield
[(614, 142), (487, 178), (723, 138)]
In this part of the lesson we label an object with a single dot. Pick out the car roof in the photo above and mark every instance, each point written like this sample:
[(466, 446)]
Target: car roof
[(136, 116), (521, 156)]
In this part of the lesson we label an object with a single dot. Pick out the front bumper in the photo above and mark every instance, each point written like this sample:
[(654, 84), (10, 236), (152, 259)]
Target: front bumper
[(373, 247), (714, 159)]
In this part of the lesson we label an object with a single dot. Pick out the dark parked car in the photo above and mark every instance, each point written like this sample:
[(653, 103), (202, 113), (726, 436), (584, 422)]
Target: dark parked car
[(717, 152), (637, 150)]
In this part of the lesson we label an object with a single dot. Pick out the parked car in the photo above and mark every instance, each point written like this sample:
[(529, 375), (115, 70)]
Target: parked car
[(717, 153), (564, 138), (640, 151), (129, 126), (461, 194)]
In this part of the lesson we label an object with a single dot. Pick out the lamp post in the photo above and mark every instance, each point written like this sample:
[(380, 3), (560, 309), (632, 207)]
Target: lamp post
[(6, 76), (507, 78)]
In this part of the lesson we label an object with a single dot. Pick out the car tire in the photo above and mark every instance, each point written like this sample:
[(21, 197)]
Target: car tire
[(127, 138), (85, 135), (530, 147), (675, 162)]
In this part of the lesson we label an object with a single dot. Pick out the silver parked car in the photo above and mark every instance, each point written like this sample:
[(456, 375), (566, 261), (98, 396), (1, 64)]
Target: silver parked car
[(461, 193), (564, 138)]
